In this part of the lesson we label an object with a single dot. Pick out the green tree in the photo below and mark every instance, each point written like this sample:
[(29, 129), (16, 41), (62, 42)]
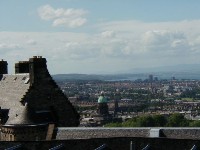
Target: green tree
[(130, 123), (159, 120), (145, 121), (113, 125), (195, 123), (177, 120)]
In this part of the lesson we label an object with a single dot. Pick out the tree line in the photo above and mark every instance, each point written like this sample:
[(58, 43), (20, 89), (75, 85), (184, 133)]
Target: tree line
[(174, 120)]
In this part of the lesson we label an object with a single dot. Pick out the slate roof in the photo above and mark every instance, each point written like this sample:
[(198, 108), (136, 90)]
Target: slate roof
[(12, 90), (22, 118)]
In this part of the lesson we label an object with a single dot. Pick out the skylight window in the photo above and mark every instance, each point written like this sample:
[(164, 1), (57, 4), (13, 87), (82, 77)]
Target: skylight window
[(26, 80)]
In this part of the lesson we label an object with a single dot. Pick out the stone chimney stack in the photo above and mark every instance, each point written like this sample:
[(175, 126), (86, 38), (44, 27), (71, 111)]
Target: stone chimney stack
[(22, 67), (3, 67), (37, 69)]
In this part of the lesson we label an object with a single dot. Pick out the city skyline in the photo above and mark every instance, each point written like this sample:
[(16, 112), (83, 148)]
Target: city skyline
[(107, 36)]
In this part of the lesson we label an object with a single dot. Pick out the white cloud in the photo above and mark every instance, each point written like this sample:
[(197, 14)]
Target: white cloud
[(31, 42), (108, 34), (152, 38), (115, 46), (6, 46), (167, 42), (63, 17)]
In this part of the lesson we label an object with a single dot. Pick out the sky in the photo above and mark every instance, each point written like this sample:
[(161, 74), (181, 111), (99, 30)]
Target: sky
[(100, 36)]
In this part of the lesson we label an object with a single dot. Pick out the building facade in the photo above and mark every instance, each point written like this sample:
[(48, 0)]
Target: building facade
[(31, 101)]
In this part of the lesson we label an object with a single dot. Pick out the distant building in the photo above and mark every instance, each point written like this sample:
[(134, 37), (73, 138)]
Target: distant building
[(31, 102), (156, 78), (173, 78), (101, 116), (102, 105), (150, 77)]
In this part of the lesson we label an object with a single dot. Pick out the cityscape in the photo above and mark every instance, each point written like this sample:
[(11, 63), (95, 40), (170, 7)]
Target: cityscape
[(135, 98)]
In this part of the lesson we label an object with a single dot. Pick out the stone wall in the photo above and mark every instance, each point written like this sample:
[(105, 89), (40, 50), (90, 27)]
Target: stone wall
[(23, 133), (181, 133), (86, 133)]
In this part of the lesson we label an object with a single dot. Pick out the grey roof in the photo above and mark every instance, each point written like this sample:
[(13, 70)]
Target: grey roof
[(12, 90), (22, 118)]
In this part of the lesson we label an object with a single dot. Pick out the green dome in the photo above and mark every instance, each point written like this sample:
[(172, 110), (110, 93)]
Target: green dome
[(102, 99)]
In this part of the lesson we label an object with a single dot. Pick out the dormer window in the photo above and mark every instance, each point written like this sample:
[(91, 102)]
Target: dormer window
[(26, 80)]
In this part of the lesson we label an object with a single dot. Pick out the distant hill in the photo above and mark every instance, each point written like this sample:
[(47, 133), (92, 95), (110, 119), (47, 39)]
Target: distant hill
[(188, 71), (86, 77), (193, 68), (182, 71)]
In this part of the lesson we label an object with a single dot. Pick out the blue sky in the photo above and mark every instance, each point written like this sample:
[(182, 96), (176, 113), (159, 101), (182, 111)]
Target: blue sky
[(101, 36)]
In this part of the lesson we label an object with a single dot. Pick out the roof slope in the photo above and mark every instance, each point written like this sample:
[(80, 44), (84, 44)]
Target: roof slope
[(12, 90)]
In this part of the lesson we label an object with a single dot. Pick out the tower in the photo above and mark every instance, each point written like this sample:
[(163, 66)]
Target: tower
[(102, 105), (117, 98)]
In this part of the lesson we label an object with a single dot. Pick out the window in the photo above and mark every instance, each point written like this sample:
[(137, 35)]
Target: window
[(11, 137), (26, 80)]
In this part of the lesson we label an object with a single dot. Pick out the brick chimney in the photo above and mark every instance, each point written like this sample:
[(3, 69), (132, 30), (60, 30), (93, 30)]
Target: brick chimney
[(3, 67), (37, 69), (22, 67)]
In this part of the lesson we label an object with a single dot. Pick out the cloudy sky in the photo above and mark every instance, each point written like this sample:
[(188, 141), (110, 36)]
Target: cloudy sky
[(100, 36)]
